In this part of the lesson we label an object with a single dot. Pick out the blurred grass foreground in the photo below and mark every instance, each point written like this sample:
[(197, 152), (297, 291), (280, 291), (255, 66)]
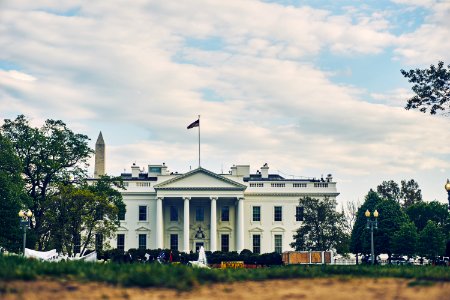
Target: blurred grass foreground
[(184, 277)]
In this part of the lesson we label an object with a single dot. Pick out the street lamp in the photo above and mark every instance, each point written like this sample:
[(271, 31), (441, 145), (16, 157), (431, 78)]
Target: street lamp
[(372, 223), (25, 218), (447, 188)]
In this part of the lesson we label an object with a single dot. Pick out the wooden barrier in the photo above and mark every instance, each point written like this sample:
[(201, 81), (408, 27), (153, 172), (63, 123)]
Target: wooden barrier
[(232, 265)]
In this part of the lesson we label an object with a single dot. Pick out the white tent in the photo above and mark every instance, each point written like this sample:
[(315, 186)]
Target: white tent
[(44, 255)]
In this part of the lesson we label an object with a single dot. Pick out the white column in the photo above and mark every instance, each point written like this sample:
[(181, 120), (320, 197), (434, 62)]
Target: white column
[(240, 225), (213, 228), (186, 225), (159, 223)]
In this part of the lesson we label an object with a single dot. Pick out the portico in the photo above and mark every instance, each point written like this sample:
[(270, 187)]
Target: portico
[(200, 194)]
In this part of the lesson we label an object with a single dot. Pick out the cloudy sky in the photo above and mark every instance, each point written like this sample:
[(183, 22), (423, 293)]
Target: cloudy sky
[(311, 87)]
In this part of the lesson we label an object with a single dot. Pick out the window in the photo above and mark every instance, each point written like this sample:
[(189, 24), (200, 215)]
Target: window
[(98, 215), (174, 242), (256, 243), (142, 213), (256, 184), (225, 214), (299, 213), (142, 184), (299, 185), (121, 241), (277, 184), (173, 214), (225, 242), (278, 214), (98, 242), (321, 185), (199, 214), (121, 214), (256, 213), (156, 170), (142, 241), (278, 243), (125, 184)]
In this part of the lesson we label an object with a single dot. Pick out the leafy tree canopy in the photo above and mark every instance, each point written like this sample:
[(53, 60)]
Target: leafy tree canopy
[(431, 241), (431, 88), (406, 194), (323, 228), (11, 196), (420, 213), (50, 155), (404, 241)]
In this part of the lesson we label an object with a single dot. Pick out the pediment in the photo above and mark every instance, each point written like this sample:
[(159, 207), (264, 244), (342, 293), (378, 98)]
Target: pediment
[(142, 228), (278, 229), (121, 228), (200, 179), (256, 229)]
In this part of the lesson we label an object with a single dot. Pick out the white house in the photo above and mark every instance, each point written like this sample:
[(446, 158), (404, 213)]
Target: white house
[(226, 212)]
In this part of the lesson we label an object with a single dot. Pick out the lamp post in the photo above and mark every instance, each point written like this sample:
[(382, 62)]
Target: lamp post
[(25, 218), (371, 224), (447, 188)]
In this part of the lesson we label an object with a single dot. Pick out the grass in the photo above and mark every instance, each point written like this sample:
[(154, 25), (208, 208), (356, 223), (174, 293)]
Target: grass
[(184, 277)]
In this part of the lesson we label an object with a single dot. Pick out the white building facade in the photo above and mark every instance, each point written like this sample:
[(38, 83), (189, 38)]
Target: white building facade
[(222, 212)]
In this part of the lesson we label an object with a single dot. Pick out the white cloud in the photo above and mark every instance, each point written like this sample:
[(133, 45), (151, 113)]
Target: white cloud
[(125, 63)]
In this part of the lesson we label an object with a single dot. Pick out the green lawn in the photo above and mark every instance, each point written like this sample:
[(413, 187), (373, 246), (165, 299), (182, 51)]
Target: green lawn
[(185, 277)]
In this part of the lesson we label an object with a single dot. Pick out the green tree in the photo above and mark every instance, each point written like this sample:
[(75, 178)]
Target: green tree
[(431, 88), (404, 241), (410, 193), (420, 213), (389, 190), (431, 241), (11, 196), (50, 156), (358, 239), (323, 228), (391, 218), (78, 214)]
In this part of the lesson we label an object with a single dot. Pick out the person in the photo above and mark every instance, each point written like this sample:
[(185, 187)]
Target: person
[(170, 256)]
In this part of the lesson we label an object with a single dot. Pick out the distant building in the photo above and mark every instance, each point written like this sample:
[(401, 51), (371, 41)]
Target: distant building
[(225, 212)]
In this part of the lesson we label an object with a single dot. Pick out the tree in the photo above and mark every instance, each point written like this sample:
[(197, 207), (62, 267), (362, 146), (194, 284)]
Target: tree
[(80, 213), (358, 239), (389, 190), (420, 213), (404, 241), (11, 196), (410, 193), (50, 156), (431, 241), (391, 218), (431, 88), (322, 228), (407, 194)]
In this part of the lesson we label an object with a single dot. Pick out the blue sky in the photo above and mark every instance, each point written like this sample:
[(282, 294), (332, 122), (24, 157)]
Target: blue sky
[(310, 87)]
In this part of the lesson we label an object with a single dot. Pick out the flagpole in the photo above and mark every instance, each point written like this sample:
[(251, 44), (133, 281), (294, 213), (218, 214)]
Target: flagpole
[(199, 141)]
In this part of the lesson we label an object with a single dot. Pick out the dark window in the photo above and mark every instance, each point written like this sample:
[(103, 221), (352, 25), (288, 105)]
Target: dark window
[(299, 213), (98, 242), (142, 241), (156, 170), (174, 242), (256, 243), (98, 215), (225, 213), (173, 214), (278, 243), (225, 242), (121, 241), (199, 214), (121, 213), (77, 243), (142, 213), (278, 214), (256, 213)]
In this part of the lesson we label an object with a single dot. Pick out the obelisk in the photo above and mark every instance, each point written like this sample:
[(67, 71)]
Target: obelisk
[(99, 157)]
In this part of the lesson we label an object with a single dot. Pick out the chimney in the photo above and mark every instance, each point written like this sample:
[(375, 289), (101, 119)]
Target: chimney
[(135, 171), (265, 171), (329, 178), (99, 168), (164, 169), (234, 171)]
